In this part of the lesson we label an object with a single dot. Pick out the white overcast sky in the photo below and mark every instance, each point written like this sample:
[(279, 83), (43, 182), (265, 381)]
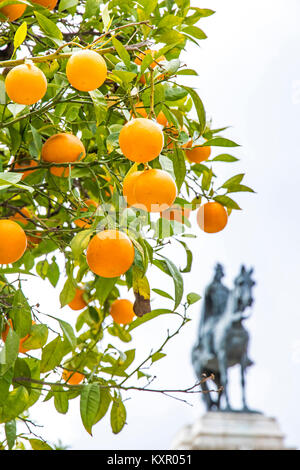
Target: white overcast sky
[(249, 78)]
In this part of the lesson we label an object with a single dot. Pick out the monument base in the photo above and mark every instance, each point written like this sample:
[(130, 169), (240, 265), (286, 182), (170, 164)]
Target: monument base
[(231, 431)]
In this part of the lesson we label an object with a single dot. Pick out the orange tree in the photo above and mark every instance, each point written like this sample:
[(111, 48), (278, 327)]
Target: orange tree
[(104, 154)]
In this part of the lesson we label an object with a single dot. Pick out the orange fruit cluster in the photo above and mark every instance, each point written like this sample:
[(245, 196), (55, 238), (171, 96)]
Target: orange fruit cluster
[(152, 190), (25, 164), (13, 241), (62, 148), (15, 11), (86, 70), (212, 217), (141, 140), (197, 154), (122, 312), (25, 84), (110, 253), (72, 377)]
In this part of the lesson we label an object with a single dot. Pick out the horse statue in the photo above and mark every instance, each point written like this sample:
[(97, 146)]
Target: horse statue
[(222, 339)]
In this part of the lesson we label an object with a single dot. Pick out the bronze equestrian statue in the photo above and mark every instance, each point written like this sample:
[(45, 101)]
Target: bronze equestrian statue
[(222, 338)]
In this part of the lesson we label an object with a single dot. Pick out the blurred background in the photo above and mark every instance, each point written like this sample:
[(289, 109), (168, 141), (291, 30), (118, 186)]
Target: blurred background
[(249, 78)]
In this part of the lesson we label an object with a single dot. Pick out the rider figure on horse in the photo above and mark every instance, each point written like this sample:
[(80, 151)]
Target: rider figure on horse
[(214, 304)]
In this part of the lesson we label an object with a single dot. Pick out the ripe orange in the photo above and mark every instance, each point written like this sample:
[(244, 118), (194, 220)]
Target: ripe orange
[(22, 340), (142, 112), (129, 187), (50, 4), (177, 213), (78, 302), (84, 222), (12, 12), (141, 140), (138, 60), (62, 148), (25, 84), (25, 164), (72, 377), (23, 219), (212, 217), (110, 253), (86, 70), (155, 190), (13, 241), (198, 154), (122, 311)]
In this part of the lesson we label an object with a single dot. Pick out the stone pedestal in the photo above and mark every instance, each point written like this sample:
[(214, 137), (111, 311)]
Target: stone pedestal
[(230, 431)]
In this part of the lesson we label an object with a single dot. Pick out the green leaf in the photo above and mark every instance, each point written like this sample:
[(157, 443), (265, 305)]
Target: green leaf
[(179, 167), (206, 179), (225, 157), (52, 354), (106, 18), (162, 293), (195, 32), (21, 374), (66, 4), (120, 332), (42, 268), (236, 188), (192, 298), (61, 401), (121, 51), (68, 333), (68, 293), (5, 382), (149, 316), (189, 258), (199, 108), (186, 72), (233, 180), (8, 179), (157, 356), (105, 400), (21, 314), (227, 202), (103, 287), (20, 35), (89, 405), (117, 415), (48, 26), (37, 338), (122, 77), (178, 281), (220, 142), (11, 347), (38, 444), (11, 433), (80, 242), (37, 140), (100, 105), (53, 272), (147, 60), (14, 405)]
